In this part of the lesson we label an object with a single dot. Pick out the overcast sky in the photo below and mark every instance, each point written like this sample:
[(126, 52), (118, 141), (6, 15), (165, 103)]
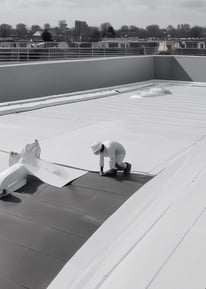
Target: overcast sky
[(117, 12)]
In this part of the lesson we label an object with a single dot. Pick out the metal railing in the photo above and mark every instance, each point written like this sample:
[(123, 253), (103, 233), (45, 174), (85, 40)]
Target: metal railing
[(51, 53), (190, 51)]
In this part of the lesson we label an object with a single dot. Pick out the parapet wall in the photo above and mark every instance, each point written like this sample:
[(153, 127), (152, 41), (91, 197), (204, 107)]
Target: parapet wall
[(180, 67), (37, 79)]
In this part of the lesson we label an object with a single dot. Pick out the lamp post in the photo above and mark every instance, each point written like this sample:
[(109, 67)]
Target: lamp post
[(165, 38)]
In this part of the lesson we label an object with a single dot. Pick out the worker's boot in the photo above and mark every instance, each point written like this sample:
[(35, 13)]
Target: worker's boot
[(127, 169), (111, 173), (119, 168)]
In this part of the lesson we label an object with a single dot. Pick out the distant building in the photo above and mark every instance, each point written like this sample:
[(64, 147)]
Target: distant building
[(81, 29), (37, 36), (191, 43), (148, 46)]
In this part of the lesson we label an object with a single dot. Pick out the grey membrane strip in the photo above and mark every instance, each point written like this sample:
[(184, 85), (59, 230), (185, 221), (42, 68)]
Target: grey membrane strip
[(43, 226)]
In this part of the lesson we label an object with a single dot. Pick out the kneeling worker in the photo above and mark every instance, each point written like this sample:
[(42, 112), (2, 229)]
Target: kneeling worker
[(116, 152)]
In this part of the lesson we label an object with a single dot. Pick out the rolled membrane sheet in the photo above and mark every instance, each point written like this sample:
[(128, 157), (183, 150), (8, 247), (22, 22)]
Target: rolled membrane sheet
[(49, 173), (13, 178), (28, 162)]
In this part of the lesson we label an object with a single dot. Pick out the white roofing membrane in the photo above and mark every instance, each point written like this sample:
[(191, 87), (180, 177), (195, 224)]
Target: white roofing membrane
[(157, 238), (153, 129)]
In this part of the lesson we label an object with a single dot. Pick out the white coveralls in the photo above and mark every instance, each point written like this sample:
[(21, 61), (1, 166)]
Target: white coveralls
[(115, 151)]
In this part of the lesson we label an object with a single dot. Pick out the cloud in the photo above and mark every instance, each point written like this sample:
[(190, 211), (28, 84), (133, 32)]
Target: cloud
[(98, 4), (192, 4), (150, 4), (92, 3), (25, 3), (118, 12), (66, 3)]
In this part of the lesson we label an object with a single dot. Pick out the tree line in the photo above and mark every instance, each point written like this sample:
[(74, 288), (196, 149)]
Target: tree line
[(83, 32)]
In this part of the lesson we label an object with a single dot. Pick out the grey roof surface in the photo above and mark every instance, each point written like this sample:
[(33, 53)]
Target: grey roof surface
[(43, 226)]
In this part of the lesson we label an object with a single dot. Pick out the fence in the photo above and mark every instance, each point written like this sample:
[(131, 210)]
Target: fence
[(51, 53), (190, 51)]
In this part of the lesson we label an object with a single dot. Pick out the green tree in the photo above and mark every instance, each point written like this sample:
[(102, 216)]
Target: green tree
[(35, 28), (103, 28), (46, 35), (124, 31), (171, 31), (47, 26), (21, 30), (110, 32), (95, 34), (196, 31), (183, 30), (5, 30), (134, 31), (142, 33), (153, 31)]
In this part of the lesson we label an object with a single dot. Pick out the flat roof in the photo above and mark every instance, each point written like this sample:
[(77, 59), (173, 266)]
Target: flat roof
[(153, 129), (136, 227)]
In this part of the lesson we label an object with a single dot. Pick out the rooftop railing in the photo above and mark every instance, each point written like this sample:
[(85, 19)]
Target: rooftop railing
[(51, 53), (191, 51)]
